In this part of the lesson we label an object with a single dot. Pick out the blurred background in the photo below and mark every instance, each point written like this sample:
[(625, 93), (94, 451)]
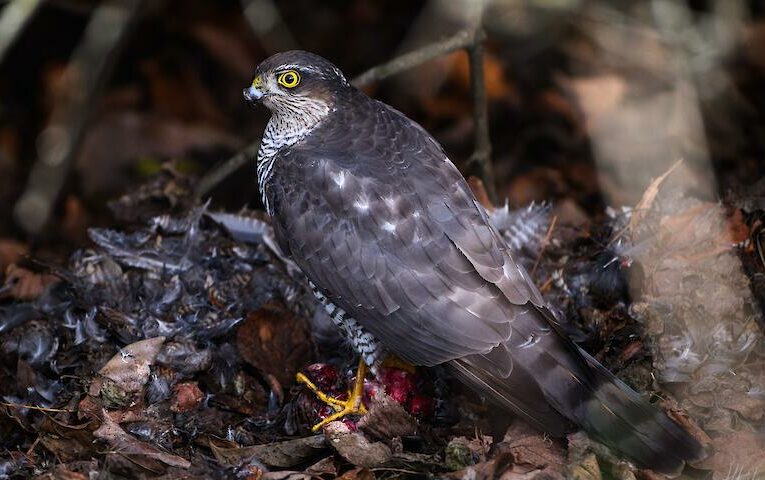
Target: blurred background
[(111, 112), (588, 100)]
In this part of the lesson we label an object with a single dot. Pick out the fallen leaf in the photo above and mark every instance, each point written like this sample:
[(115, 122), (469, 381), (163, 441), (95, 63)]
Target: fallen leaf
[(360, 473), (61, 472), (186, 397), (11, 251), (67, 442), (129, 368), (275, 341), (23, 284), (135, 450), (355, 447), (277, 454), (325, 466), (644, 205), (737, 455), (532, 449), (387, 418)]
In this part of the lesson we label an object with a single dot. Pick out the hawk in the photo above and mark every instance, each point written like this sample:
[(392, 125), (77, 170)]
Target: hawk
[(406, 261)]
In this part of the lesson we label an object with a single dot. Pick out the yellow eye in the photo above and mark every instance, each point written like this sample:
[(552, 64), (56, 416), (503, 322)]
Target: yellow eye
[(289, 79)]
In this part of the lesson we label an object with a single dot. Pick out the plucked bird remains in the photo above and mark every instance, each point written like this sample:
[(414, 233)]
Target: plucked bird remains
[(385, 227)]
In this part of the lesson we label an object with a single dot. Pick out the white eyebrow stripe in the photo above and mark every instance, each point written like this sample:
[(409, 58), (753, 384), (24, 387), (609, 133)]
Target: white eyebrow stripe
[(292, 66), (308, 68)]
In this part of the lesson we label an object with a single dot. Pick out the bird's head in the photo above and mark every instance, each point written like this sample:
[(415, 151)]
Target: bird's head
[(296, 82)]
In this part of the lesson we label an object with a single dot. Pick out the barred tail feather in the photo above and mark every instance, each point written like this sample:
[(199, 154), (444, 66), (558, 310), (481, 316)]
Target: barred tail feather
[(554, 381), (619, 417)]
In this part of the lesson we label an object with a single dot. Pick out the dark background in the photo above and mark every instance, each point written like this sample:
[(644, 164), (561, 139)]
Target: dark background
[(588, 100)]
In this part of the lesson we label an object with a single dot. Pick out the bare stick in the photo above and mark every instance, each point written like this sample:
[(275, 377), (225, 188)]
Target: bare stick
[(61, 139), (545, 242), (460, 40), (219, 173), (481, 158), (35, 407)]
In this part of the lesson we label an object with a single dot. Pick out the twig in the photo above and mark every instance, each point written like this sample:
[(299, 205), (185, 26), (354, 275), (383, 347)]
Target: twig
[(481, 158), (223, 170), (33, 407), (60, 141), (14, 18), (458, 41), (545, 242)]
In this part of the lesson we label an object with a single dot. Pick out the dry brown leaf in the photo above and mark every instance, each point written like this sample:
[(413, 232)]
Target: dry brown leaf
[(186, 397), (23, 284), (135, 450), (11, 251), (641, 209), (61, 472), (360, 473), (67, 442), (387, 419), (277, 454), (532, 448), (129, 368), (738, 455), (325, 466), (355, 447), (276, 342)]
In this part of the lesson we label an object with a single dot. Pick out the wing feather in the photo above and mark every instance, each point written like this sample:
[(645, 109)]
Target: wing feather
[(391, 233)]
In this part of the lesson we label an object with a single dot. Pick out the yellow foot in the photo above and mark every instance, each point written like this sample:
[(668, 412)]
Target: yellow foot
[(353, 405)]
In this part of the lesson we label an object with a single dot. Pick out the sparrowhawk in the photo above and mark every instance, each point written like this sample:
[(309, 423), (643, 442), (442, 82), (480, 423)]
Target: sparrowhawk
[(371, 209)]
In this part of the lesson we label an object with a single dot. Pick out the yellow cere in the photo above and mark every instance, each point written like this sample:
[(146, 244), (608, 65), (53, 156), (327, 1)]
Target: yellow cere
[(289, 79), (257, 82)]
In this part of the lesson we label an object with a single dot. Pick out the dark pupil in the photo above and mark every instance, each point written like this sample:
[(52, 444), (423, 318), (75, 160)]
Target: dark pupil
[(290, 78)]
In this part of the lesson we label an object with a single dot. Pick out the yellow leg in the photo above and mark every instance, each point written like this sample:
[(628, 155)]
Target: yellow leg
[(353, 405)]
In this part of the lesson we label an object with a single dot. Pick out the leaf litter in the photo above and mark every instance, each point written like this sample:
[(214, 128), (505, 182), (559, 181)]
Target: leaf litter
[(170, 350)]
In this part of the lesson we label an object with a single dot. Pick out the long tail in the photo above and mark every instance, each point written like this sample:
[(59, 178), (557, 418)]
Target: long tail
[(550, 378)]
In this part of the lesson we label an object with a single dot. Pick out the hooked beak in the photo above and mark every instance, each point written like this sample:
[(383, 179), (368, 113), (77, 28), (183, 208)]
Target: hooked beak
[(254, 94)]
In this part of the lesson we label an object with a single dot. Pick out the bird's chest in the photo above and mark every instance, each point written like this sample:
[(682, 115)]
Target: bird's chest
[(277, 138)]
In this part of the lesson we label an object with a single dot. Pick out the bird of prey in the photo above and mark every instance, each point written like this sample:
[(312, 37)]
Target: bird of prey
[(406, 261)]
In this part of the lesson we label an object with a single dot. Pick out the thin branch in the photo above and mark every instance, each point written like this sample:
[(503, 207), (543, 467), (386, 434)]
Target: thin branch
[(15, 16), (460, 40), (481, 158), (223, 170), (35, 407), (545, 241), (60, 141)]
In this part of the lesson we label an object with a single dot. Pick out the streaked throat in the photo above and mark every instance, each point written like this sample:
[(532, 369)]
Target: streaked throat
[(292, 119)]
